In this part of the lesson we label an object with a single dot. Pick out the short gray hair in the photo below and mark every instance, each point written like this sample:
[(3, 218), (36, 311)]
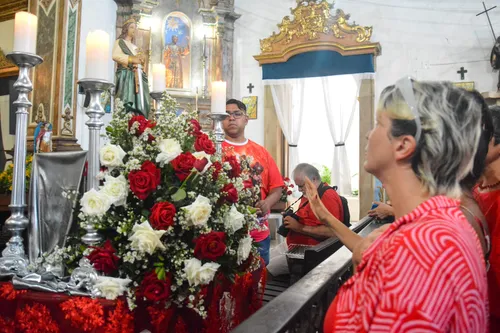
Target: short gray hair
[(451, 128), (307, 170)]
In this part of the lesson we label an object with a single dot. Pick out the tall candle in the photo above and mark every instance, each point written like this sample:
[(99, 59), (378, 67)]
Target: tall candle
[(25, 25), (159, 80), (97, 55), (218, 97)]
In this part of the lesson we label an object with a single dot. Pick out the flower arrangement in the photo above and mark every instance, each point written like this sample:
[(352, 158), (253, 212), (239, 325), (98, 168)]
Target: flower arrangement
[(7, 174), (175, 215), (290, 190)]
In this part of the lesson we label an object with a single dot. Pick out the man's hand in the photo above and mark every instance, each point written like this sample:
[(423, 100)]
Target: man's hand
[(292, 224), (382, 211), (361, 247), (263, 208)]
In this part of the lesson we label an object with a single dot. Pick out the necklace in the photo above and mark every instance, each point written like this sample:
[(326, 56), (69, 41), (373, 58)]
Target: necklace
[(484, 187)]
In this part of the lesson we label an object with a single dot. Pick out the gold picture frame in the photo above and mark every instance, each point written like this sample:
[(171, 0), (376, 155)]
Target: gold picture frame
[(251, 104), (465, 85)]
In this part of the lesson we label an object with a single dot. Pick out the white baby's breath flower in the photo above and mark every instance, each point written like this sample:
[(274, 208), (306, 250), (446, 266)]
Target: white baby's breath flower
[(116, 189), (111, 155), (145, 239), (111, 288), (169, 149), (95, 203)]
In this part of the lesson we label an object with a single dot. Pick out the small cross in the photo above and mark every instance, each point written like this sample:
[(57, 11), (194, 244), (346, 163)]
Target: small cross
[(250, 87), (462, 71)]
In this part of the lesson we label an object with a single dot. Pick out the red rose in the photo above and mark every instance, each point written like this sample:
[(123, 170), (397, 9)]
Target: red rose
[(143, 124), (235, 166), (248, 183), (154, 289), (143, 182), (230, 193), (217, 168), (210, 246), (200, 164), (183, 165), (104, 258), (289, 193), (162, 215), (203, 143), (196, 128)]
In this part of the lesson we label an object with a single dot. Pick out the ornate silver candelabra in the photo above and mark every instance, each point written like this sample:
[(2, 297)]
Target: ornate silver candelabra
[(95, 111), (156, 96), (218, 118), (13, 257)]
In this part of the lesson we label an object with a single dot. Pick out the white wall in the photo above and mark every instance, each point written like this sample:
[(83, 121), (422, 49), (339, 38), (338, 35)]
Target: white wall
[(96, 15), (429, 40)]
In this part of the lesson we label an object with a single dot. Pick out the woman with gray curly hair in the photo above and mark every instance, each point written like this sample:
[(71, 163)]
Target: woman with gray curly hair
[(425, 271)]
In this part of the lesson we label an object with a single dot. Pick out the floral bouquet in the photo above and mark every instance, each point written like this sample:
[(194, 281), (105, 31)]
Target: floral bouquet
[(290, 190), (7, 174), (175, 217)]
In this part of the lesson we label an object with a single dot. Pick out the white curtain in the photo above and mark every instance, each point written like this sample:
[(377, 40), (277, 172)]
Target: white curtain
[(340, 94), (288, 97)]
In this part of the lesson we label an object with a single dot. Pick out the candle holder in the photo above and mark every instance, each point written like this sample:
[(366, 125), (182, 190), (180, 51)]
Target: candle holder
[(218, 118), (13, 256), (156, 96), (95, 111)]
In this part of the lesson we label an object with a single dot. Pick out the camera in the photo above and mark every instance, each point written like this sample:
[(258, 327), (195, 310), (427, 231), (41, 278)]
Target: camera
[(282, 230)]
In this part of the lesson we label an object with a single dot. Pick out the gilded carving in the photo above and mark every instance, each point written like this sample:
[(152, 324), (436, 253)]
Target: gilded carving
[(4, 62), (67, 117), (313, 27), (341, 25)]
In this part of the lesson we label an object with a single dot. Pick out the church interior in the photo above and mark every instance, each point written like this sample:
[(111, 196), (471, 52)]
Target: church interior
[(165, 164)]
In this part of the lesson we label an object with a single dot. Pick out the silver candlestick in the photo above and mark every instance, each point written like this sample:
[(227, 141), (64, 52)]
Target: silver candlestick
[(95, 111), (156, 96), (13, 256), (218, 118)]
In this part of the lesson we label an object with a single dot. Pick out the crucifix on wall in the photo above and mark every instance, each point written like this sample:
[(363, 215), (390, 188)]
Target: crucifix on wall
[(462, 72), (250, 88)]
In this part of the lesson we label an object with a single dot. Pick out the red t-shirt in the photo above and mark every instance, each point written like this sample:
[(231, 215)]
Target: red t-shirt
[(425, 273), (489, 202), (264, 171), (332, 202)]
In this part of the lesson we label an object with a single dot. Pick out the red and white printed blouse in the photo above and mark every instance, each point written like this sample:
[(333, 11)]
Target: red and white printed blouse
[(425, 273)]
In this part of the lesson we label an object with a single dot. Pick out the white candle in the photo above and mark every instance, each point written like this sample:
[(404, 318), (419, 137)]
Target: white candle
[(25, 25), (97, 55), (159, 80), (218, 97)]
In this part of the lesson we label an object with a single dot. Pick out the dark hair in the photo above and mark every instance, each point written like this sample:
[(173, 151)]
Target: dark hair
[(482, 149), (238, 103), (494, 112)]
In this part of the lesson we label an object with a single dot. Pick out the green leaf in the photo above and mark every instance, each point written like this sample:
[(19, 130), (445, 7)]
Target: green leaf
[(252, 210), (161, 257), (158, 264), (179, 195), (161, 274)]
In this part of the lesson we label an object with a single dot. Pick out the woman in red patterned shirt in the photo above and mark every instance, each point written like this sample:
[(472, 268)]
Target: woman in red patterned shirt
[(426, 271)]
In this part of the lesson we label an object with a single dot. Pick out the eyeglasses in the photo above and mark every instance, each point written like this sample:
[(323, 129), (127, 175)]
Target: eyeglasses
[(235, 114), (405, 86)]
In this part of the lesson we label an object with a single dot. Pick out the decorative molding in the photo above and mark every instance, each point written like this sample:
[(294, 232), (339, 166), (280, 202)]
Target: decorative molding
[(313, 28), (46, 5), (9, 8), (7, 68), (67, 117), (74, 3)]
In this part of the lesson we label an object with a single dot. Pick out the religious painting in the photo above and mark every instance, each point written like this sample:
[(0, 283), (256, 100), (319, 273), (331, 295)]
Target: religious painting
[(465, 85), (177, 50), (251, 104)]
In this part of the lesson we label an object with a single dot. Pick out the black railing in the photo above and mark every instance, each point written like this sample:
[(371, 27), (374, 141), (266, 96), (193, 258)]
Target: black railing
[(302, 307)]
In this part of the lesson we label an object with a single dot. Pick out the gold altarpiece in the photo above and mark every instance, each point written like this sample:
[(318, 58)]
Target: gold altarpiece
[(313, 28)]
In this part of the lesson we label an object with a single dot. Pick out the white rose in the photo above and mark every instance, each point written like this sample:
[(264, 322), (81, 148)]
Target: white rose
[(111, 288), (233, 220), (197, 274), (244, 249), (169, 149), (95, 203), (199, 211), (146, 239), (111, 155), (116, 189)]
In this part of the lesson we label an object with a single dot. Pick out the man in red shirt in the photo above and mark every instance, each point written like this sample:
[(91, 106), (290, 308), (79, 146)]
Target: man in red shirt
[(304, 228), (265, 173)]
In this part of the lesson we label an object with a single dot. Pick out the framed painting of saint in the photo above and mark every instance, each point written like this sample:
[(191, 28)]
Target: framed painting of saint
[(177, 50)]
